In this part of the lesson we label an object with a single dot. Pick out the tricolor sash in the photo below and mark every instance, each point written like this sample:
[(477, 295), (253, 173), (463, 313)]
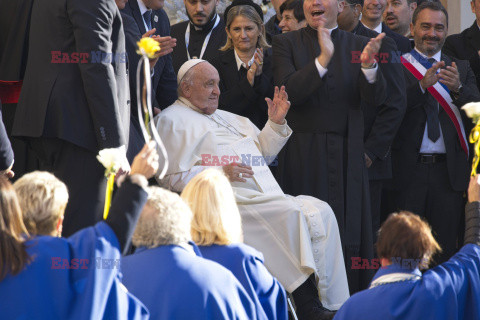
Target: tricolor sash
[(418, 66)]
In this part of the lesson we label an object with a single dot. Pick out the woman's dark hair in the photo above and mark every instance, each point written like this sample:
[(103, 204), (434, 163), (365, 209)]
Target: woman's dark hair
[(296, 6)]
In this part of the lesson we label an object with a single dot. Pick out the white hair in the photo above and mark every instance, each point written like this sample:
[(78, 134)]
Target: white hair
[(165, 220)]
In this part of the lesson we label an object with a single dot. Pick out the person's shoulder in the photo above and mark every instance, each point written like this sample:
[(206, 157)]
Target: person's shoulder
[(178, 117), (211, 272), (179, 27), (129, 24), (350, 38), (246, 251), (289, 36)]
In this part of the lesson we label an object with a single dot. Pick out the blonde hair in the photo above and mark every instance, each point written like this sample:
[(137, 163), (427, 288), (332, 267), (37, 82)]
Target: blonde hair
[(165, 220), (43, 199), (216, 219), (13, 252), (252, 15)]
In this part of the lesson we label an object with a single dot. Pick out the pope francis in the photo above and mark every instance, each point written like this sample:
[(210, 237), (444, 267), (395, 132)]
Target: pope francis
[(298, 236)]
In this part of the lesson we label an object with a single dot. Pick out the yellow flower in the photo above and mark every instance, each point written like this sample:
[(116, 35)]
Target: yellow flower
[(148, 46)]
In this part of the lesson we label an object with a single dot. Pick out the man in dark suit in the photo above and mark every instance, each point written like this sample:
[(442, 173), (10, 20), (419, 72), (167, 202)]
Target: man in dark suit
[(74, 99), (15, 26), (372, 15), (466, 45), (324, 157), (147, 18), (383, 121), (431, 167), (201, 36)]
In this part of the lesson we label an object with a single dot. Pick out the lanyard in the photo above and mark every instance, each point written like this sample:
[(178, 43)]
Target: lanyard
[(205, 42)]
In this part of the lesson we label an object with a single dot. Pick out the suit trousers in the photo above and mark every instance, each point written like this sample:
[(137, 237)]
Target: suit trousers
[(430, 195), (376, 187), (83, 175), (25, 160)]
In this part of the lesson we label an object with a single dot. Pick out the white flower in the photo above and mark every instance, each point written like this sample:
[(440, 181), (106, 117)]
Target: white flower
[(112, 159), (472, 110)]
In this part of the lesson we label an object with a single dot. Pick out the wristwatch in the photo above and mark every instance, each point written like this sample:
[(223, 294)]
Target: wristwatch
[(456, 94)]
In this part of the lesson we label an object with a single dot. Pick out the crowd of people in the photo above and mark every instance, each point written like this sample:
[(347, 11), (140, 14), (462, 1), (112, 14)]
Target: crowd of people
[(290, 144)]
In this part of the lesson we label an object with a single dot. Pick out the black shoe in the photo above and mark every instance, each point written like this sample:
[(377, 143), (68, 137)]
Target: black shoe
[(308, 304), (314, 313)]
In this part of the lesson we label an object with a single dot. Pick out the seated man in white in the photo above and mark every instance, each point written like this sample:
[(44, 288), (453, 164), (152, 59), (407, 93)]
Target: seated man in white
[(298, 235)]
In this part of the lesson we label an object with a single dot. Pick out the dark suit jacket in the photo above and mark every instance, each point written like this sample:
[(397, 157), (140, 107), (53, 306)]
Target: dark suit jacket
[(164, 80), (382, 122), (403, 44), (236, 94), (217, 40), (465, 46), (83, 103), (15, 25), (409, 138)]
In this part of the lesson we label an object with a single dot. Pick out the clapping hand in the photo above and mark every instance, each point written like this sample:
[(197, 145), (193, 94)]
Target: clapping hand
[(450, 77), (256, 67), (278, 108), (326, 45), (431, 76), (166, 45), (371, 51)]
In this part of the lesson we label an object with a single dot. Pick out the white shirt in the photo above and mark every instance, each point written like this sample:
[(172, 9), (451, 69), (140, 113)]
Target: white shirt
[(377, 28), (143, 9), (240, 63), (370, 74), (428, 146)]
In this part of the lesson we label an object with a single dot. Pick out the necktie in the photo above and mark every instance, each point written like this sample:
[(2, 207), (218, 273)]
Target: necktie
[(242, 73), (147, 17), (431, 108)]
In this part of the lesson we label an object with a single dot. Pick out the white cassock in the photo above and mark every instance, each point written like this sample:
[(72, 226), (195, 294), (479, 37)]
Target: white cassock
[(297, 235)]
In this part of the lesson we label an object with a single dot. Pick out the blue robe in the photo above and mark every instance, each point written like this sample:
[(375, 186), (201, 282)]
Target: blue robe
[(450, 291), (73, 278), (246, 264), (176, 284)]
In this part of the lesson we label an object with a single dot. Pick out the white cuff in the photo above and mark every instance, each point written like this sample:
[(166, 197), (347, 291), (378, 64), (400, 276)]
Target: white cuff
[(423, 91), (280, 129), (321, 70), (371, 74)]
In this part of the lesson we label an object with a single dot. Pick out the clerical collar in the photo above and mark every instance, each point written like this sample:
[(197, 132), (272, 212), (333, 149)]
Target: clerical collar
[(240, 63), (315, 30), (143, 8), (378, 28), (437, 56), (207, 27)]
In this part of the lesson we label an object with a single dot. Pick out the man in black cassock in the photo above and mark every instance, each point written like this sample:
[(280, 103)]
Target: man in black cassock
[(324, 156), (381, 122)]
